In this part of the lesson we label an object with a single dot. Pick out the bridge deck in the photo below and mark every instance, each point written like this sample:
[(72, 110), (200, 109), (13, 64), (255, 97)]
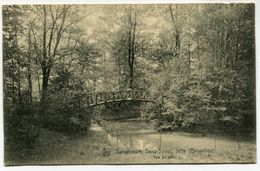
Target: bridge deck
[(100, 98)]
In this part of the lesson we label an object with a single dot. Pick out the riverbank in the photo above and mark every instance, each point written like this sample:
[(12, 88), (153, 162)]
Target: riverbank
[(138, 145), (56, 148), (179, 147)]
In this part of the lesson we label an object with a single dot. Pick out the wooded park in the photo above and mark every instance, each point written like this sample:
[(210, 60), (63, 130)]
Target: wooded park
[(176, 68)]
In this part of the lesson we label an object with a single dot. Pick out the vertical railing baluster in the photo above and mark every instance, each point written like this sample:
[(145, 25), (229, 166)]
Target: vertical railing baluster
[(91, 98), (121, 95), (113, 96), (96, 98)]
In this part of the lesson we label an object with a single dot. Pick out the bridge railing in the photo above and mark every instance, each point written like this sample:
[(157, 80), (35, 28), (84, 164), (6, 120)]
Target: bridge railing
[(104, 97)]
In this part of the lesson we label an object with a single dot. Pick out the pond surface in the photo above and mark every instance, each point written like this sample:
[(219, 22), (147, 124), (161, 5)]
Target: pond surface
[(141, 135)]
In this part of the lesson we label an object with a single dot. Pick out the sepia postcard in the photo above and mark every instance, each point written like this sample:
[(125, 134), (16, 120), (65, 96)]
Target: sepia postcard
[(129, 84)]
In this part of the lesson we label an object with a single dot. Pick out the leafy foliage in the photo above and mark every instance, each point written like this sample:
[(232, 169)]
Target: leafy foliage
[(197, 60)]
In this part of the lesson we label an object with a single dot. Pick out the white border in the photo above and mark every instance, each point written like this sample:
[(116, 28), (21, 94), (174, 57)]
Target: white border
[(211, 167), (119, 1)]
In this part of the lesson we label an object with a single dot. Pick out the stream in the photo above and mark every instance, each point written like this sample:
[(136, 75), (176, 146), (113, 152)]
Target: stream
[(136, 134)]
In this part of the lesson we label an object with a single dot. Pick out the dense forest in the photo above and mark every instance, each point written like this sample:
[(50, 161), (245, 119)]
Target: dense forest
[(199, 57)]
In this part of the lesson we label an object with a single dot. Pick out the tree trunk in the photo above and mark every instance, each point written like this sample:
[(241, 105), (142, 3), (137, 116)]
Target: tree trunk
[(133, 51), (45, 69), (189, 47), (45, 82), (130, 49), (131, 77), (29, 78), (30, 85), (175, 23), (39, 84), (19, 82)]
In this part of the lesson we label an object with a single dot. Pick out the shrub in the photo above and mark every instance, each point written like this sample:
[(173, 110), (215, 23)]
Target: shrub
[(66, 112), (23, 126)]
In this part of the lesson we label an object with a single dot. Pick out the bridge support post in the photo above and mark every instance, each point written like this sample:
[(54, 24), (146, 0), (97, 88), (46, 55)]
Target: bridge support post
[(105, 97), (113, 96), (91, 99), (96, 98)]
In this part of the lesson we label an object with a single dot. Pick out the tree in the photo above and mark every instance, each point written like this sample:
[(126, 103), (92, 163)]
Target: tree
[(126, 43), (57, 38), (206, 76), (12, 29), (176, 23)]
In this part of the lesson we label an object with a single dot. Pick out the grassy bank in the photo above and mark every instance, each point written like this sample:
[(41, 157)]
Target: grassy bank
[(57, 148), (95, 148)]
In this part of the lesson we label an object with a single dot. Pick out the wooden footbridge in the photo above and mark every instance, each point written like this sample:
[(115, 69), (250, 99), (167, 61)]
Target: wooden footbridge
[(100, 98)]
